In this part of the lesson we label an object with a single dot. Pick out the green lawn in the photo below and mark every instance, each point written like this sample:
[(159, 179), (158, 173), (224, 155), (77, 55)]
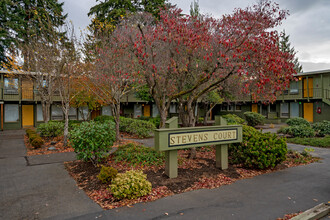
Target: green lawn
[(314, 141)]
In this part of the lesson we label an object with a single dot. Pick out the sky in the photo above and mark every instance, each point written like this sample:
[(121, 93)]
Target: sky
[(308, 23)]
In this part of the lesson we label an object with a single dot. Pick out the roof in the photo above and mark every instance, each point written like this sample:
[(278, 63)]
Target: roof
[(313, 72)]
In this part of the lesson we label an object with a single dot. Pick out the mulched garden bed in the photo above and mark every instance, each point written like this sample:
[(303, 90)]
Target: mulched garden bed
[(192, 174)]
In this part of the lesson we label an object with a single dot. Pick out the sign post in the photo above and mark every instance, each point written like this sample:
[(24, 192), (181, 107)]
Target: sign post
[(172, 138)]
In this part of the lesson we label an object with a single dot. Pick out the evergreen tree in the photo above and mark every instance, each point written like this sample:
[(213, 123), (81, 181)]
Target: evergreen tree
[(23, 19), (285, 46), (194, 9)]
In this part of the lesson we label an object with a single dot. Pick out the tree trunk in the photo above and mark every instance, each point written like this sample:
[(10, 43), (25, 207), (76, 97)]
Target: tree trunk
[(163, 117), (66, 124), (45, 111), (115, 108)]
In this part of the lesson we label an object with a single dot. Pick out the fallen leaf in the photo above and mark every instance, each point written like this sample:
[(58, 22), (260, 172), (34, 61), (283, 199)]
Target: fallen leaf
[(289, 197), (166, 213), (315, 200)]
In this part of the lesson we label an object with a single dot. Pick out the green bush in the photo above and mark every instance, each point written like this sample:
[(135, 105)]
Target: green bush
[(137, 155), (233, 119), (155, 121), (258, 150), (138, 127), (33, 136), (107, 174), (92, 140), (322, 128), (254, 118), (37, 142), (131, 185), (103, 118), (298, 131), (297, 122), (51, 129)]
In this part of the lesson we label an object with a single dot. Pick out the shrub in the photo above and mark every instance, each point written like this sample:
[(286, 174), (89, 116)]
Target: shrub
[(103, 118), (137, 155), (37, 142), (298, 131), (155, 120), (92, 140), (107, 174), (233, 119), (258, 150), (138, 127), (131, 185), (30, 132), (322, 128), (297, 121), (33, 136), (51, 129), (254, 118)]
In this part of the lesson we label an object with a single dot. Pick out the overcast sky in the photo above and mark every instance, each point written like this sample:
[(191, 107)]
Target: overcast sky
[(308, 24)]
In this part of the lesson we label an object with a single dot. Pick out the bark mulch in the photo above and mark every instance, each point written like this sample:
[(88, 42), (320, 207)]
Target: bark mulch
[(192, 174)]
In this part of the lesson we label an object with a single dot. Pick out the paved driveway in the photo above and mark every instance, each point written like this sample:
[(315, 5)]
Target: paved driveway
[(38, 191)]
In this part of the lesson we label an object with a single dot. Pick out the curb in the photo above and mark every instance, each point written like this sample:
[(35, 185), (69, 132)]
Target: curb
[(316, 212)]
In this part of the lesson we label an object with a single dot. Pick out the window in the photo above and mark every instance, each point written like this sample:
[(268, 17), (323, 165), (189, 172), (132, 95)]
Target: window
[(230, 108), (223, 108), (173, 108), (11, 86), (272, 108), (57, 113), (294, 87), (137, 110), (238, 108), (155, 112), (11, 113), (83, 113), (106, 110), (294, 109), (39, 113), (72, 113), (285, 110)]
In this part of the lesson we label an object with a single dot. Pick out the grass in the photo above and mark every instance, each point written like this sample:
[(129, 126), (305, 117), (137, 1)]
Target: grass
[(314, 141)]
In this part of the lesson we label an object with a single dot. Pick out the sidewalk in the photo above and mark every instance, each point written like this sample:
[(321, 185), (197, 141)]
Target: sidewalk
[(38, 189), (44, 190)]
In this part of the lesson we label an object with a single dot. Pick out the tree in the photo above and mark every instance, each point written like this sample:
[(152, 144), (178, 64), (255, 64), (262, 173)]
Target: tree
[(21, 20), (183, 58), (114, 72), (210, 100), (285, 46)]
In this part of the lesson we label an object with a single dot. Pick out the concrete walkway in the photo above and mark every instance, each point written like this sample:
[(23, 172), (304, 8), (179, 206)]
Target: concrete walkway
[(37, 187), (44, 190)]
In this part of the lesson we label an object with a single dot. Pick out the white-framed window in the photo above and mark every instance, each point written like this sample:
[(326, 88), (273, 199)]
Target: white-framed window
[(72, 113), (173, 108), (294, 87), (294, 109), (83, 113), (11, 113), (137, 110), (40, 116), (230, 108), (285, 110), (11, 86), (57, 113), (106, 110), (155, 112)]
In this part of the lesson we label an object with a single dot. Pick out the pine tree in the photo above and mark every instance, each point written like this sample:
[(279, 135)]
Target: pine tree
[(285, 46), (23, 19)]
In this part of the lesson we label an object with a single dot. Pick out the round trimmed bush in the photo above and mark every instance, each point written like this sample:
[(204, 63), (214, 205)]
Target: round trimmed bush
[(51, 129), (37, 142), (91, 140), (258, 150), (253, 119), (131, 185), (107, 174), (233, 119), (322, 128), (297, 122)]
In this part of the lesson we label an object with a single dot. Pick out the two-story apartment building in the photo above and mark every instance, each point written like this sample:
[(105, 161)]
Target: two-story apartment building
[(309, 97), (20, 104)]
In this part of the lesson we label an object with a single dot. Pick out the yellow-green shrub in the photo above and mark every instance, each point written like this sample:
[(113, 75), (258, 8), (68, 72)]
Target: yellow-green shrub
[(107, 174), (37, 142), (131, 185)]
